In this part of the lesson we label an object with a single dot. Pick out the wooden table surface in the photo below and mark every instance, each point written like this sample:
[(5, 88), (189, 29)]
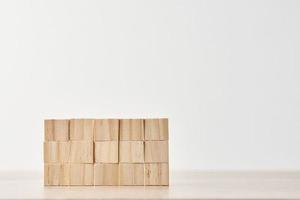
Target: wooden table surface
[(183, 185)]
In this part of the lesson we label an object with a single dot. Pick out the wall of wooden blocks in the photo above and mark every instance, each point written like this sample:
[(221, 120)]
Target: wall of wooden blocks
[(106, 152)]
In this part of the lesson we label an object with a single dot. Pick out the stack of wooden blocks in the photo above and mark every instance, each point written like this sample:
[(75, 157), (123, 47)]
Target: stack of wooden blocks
[(106, 152)]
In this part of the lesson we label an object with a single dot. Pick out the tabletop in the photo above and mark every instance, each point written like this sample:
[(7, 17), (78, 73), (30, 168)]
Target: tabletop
[(183, 185)]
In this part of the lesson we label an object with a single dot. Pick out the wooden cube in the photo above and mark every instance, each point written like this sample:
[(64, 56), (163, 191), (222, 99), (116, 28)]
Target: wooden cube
[(56, 130), (82, 129), (106, 129), (106, 174), (131, 151), (56, 152), (156, 174), (81, 174), (131, 129), (156, 129), (56, 174), (51, 152), (106, 152), (156, 151), (52, 174), (131, 174), (82, 152)]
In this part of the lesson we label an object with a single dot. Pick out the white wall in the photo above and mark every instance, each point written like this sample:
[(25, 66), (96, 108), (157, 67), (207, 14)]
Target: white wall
[(226, 73)]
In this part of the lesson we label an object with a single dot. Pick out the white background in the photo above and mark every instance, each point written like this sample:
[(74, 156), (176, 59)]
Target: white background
[(226, 73)]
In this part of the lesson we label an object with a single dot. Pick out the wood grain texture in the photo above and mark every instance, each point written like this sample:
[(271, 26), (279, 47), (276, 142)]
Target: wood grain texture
[(156, 174), (82, 152), (82, 129), (56, 152), (65, 174), (156, 151), (106, 152), (131, 174), (51, 152), (106, 174), (106, 129), (156, 129), (131, 151), (52, 174), (56, 130), (56, 174), (81, 174), (131, 129)]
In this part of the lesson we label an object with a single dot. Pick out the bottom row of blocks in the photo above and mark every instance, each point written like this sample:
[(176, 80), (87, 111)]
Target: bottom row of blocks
[(107, 174)]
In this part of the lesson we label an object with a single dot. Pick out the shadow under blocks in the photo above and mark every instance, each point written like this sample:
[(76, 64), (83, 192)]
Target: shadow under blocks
[(106, 152)]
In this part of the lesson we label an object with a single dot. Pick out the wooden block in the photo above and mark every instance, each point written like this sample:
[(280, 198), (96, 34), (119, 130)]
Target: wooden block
[(64, 152), (156, 151), (131, 129), (131, 174), (82, 152), (56, 174), (81, 174), (56, 152), (56, 130), (106, 174), (156, 129), (51, 152), (106, 152), (106, 129), (52, 174), (65, 174), (131, 151), (156, 174), (82, 129)]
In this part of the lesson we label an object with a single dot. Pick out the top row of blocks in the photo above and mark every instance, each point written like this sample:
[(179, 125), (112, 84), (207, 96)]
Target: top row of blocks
[(106, 129)]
